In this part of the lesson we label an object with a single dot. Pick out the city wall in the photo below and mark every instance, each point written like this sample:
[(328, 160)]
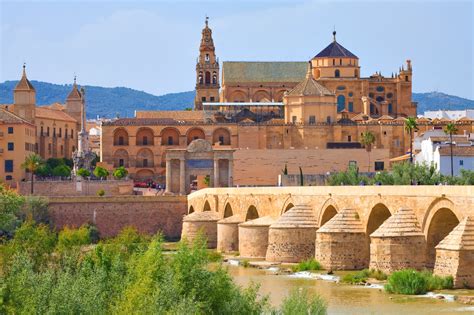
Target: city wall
[(80, 188), (111, 214)]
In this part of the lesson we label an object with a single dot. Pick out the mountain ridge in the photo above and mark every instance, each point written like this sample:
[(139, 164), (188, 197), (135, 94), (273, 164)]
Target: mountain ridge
[(123, 101)]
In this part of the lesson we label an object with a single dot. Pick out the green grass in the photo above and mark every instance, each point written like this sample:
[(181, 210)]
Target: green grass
[(214, 256), (300, 301), (307, 265), (412, 282), (363, 275), (245, 263)]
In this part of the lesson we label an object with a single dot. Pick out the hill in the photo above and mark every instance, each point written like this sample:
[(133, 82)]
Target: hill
[(108, 102)]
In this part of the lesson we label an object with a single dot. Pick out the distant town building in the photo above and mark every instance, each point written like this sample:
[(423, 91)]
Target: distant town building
[(449, 114)]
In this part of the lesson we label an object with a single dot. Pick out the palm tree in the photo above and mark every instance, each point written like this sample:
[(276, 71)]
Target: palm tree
[(410, 127), (367, 140), (32, 163), (451, 129)]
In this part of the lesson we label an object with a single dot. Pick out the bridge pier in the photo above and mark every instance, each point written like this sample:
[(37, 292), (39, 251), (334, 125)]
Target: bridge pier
[(228, 234), (253, 237), (204, 223)]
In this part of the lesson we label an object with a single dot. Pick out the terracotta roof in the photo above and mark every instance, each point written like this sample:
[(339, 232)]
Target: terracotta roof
[(360, 117), (232, 220), (456, 138), (7, 117), (190, 115), (423, 119), (402, 223), (24, 84), (309, 87), (385, 117), (140, 122), (461, 238), (263, 72), (345, 221), (465, 119), (56, 106), (48, 113), (201, 216), (300, 216), (457, 151), (74, 94), (263, 221), (335, 50)]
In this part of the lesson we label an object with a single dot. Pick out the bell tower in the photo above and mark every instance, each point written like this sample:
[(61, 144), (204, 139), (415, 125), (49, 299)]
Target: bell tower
[(207, 70), (24, 98)]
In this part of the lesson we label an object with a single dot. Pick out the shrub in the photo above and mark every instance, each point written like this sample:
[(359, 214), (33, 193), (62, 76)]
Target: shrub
[(412, 282), (245, 263), (214, 256), (61, 171), (36, 209), (44, 170), (100, 192), (362, 276), (120, 172), (100, 172), (301, 302), (10, 207), (94, 234), (83, 172), (69, 238), (306, 265)]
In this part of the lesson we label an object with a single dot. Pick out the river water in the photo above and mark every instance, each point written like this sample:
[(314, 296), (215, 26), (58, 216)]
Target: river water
[(343, 298)]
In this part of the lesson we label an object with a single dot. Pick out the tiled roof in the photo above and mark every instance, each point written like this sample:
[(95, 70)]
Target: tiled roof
[(309, 87), (7, 117), (48, 113), (345, 221), (461, 238), (457, 151), (140, 122), (456, 138), (300, 216), (262, 72), (172, 114), (402, 223), (24, 84), (335, 50), (74, 94)]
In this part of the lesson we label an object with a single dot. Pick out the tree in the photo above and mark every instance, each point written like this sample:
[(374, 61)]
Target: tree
[(301, 177), (120, 172), (32, 163), (451, 129), (410, 127), (83, 172), (367, 140), (100, 172), (62, 171)]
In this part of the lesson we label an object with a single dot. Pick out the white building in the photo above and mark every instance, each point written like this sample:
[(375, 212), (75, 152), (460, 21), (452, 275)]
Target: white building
[(435, 149), (449, 114)]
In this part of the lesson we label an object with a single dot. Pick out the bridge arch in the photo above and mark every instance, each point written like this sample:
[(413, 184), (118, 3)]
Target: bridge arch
[(207, 206), (378, 214), (191, 210), (440, 219), (287, 204), (328, 210), (252, 213), (228, 211)]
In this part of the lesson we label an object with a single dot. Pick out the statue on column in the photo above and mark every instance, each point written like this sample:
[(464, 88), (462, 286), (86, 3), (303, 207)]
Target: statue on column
[(83, 156)]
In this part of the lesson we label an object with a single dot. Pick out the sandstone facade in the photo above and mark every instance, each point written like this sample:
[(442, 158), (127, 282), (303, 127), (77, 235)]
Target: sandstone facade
[(228, 234), (79, 188), (253, 237), (201, 224)]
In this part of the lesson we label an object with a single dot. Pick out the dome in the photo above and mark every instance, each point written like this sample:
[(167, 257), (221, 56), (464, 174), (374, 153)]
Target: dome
[(300, 216)]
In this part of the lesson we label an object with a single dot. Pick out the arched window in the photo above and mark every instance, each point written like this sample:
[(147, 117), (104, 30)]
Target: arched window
[(200, 79), (208, 77), (390, 108), (351, 107), (214, 78), (207, 57), (356, 73), (341, 103), (337, 73), (328, 119)]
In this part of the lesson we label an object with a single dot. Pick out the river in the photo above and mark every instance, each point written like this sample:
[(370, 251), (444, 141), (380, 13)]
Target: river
[(346, 299)]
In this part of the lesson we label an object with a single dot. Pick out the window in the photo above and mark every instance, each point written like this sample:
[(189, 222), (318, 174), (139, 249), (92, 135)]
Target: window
[(121, 162), (10, 130), (356, 73), (8, 177), (203, 99), (54, 132), (207, 57), (221, 139), (461, 162), (340, 62), (380, 88), (72, 133), (170, 140), (341, 87), (60, 132), (49, 148), (389, 95), (334, 62), (47, 131), (121, 141), (337, 73), (62, 149), (390, 108), (293, 119), (145, 162), (406, 78), (8, 166), (349, 138), (351, 106), (341, 103), (42, 133), (212, 99), (379, 99), (379, 166), (351, 94), (65, 133), (328, 119), (11, 146), (384, 133), (312, 120), (145, 140)]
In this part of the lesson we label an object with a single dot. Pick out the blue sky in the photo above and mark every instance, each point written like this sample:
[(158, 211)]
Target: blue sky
[(152, 45)]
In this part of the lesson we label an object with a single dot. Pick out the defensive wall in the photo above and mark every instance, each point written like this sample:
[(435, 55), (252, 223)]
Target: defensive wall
[(111, 214), (80, 188)]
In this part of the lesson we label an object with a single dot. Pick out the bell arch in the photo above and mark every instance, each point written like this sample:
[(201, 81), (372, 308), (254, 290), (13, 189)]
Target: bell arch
[(228, 211), (221, 136), (121, 158), (252, 213), (378, 214), (261, 96), (145, 136), (144, 158), (207, 206), (169, 136), (238, 96), (195, 133), (120, 136)]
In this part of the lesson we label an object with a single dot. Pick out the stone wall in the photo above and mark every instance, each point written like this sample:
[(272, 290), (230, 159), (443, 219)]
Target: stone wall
[(290, 245), (459, 264), (342, 251), (111, 214), (253, 241), (82, 188)]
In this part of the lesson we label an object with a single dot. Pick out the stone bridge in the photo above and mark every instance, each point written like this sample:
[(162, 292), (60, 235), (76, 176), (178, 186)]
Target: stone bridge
[(438, 209)]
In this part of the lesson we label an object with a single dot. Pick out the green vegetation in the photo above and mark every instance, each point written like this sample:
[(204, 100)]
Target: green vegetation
[(306, 265), (62, 171), (101, 172), (83, 172), (245, 263), (367, 140), (32, 163), (120, 172), (100, 192), (301, 177), (410, 127), (451, 130), (363, 275), (412, 282), (215, 256), (401, 174), (300, 302)]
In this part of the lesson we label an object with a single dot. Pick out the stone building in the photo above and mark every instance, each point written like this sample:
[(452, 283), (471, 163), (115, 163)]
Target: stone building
[(308, 114), (55, 127)]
